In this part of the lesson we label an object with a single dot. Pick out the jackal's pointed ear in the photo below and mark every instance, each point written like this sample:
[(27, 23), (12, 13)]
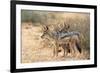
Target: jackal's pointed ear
[(68, 26), (45, 28)]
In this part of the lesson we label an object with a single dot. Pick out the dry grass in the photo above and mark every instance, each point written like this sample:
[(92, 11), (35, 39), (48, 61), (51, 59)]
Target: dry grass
[(35, 49)]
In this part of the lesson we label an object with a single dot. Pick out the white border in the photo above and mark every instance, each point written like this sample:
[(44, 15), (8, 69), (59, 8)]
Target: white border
[(19, 65)]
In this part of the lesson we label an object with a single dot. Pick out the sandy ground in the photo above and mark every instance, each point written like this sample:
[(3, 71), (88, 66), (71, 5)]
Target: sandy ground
[(35, 49)]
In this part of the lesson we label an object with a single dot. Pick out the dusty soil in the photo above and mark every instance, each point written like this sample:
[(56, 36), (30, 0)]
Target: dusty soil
[(36, 49)]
